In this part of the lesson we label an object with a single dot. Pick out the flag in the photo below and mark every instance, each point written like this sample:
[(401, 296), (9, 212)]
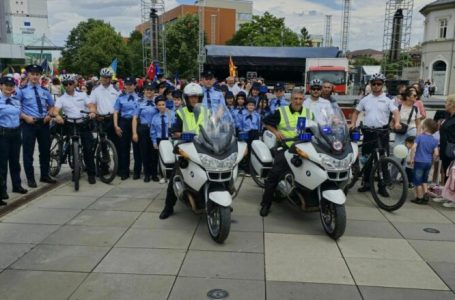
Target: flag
[(113, 66), (232, 68), (151, 71), (176, 80)]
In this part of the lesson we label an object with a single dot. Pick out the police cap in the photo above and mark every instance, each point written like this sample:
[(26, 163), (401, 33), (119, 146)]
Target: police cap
[(207, 74), (34, 68), (256, 86), (279, 86), (129, 80), (177, 94), (150, 86), (229, 94), (251, 100), (8, 80)]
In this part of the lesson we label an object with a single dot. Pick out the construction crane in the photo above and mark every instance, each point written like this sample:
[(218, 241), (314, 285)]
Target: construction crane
[(155, 36), (328, 31), (345, 27), (201, 36)]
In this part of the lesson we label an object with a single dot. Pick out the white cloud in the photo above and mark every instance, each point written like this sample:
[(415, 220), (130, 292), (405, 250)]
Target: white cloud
[(367, 20)]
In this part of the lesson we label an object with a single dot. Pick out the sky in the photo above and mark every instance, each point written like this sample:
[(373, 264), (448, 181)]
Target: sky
[(366, 31)]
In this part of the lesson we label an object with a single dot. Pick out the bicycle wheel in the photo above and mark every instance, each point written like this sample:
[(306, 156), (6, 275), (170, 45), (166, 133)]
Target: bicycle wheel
[(389, 184), (106, 161), (76, 164), (55, 161)]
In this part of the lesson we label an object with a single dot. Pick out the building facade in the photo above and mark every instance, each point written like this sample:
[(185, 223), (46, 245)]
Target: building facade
[(438, 47), (243, 9)]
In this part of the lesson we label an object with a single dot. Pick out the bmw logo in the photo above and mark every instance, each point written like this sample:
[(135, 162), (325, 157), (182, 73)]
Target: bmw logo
[(308, 173), (192, 174)]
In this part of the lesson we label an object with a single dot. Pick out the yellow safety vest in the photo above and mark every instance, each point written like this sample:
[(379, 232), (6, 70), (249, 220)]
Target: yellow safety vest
[(288, 121), (189, 122)]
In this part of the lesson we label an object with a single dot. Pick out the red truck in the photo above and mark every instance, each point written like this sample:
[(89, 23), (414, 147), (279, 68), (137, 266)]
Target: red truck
[(334, 70)]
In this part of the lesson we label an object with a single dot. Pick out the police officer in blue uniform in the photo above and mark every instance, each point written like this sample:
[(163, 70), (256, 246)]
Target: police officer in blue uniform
[(10, 139), (212, 97), (141, 132), (280, 99), (124, 108), (37, 104)]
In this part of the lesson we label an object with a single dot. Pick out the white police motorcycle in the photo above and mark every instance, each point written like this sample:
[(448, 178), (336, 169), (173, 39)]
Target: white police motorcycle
[(320, 160), (207, 168)]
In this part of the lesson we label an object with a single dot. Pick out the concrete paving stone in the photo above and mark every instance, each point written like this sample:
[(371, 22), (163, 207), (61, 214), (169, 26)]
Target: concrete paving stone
[(197, 288), (156, 238), (124, 286), (371, 229), (179, 220), (85, 236), (237, 241), (414, 231), (435, 251), (132, 192), (85, 190), (157, 206), (227, 265), (416, 215), (277, 290), (62, 201), (355, 199), (9, 253), (120, 204), (446, 271), (36, 215), (294, 222), (448, 212), (290, 257), (142, 261), (25, 233), (38, 285), (105, 218), (394, 273), (61, 258), (381, 293), (364, 214), (378, 248), (246, 223)]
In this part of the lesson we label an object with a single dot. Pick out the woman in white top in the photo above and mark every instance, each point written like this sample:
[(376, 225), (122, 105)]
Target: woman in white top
[(409, 114)]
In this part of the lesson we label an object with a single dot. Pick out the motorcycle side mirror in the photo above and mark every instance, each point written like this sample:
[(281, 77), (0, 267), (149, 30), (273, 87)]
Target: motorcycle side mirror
[(355, 136), (296, 161)]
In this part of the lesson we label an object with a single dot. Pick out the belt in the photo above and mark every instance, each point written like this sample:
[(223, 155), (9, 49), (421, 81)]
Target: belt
[(5, 130)]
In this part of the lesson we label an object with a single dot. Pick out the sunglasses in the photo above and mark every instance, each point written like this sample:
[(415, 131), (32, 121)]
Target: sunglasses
[(377, 84), (316, 88), (68, 83)]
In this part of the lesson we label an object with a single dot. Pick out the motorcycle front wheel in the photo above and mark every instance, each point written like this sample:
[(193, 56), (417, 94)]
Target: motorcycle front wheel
[(333, 218), (218, 221)]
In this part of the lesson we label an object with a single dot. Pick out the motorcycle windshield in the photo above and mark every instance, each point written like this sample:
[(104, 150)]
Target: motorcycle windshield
[(332, 128), (216, 134)]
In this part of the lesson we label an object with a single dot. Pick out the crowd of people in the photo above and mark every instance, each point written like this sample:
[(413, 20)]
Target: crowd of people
[(145, 112)]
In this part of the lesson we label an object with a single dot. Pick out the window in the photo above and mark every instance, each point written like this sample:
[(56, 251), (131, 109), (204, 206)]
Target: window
[(244, 17), (442, 28)]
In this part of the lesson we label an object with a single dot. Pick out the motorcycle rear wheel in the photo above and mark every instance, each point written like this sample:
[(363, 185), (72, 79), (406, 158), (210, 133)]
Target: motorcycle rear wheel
[(218, 221), (333, 218)]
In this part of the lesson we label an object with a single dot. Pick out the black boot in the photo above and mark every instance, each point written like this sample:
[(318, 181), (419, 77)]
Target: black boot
[(167, 211), (265, 209)]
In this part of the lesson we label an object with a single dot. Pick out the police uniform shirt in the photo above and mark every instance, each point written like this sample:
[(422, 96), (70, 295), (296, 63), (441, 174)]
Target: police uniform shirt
[(30, 106), (377, 110), (216, 99), (72, 105), (250, 121), (145, 111), (274, 103), (104, 98), (10, 111), (126, 105), (321, 109), (156, 128), (238, 114)]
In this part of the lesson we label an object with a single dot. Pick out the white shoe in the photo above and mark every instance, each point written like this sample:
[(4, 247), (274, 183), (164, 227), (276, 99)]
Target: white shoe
[(162, 181), (449, 204), (438, 199)]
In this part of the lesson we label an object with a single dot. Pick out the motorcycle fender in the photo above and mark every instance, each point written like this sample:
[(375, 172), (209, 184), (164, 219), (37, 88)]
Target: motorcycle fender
[(269, 139), (355, 150), (191, 151), (308, 174), (308, 148), (194, 176), (335, 196), (261, 158), (242, 147), (222, 198)]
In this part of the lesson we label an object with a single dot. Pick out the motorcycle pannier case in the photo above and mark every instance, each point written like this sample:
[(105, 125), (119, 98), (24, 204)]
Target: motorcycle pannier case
[(167, 158), (261, 158)]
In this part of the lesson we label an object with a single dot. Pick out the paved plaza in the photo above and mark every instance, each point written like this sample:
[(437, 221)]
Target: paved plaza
[(107, 242)]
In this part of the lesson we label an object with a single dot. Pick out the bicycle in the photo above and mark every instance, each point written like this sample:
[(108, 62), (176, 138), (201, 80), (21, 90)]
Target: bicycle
[(106, 157), (392, 181), (75, 149)]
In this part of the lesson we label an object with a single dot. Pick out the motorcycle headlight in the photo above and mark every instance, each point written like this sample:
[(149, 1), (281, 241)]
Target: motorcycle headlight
[(213, 164), (331, 163)]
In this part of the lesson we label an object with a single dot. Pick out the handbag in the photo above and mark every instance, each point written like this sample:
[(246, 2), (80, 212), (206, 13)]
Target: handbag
[(404, 126), (449, 151)]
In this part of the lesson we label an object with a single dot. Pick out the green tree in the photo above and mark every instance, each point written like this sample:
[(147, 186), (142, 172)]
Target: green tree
[(182, 46), (93, 45), (135, 48), (266, 30), (365, 61), (305, 40)]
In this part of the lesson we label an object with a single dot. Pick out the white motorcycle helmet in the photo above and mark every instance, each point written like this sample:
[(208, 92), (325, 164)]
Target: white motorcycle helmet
[(193, 89), (106, 72), (68, 78)]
